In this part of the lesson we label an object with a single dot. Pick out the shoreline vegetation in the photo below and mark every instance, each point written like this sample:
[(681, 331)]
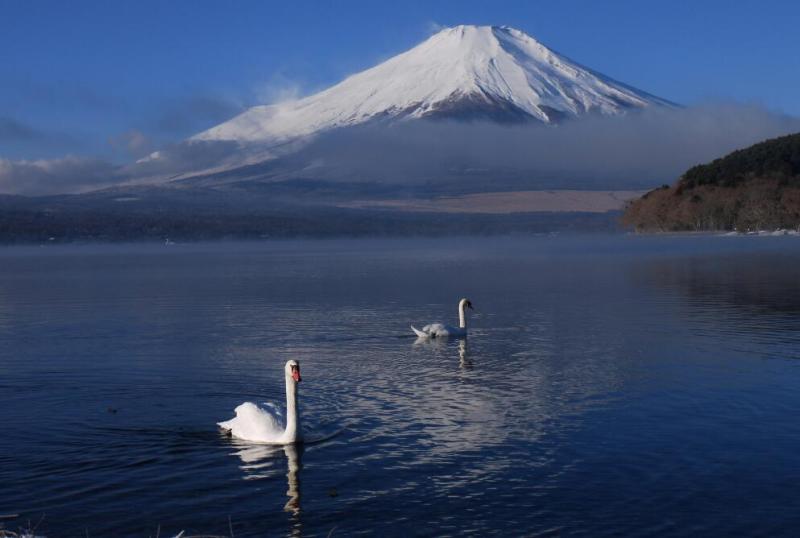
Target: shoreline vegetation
[(300, 210), (750, 190), (35, 226)]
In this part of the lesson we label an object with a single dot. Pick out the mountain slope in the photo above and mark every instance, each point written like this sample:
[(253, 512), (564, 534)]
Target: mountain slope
[(465, 72)]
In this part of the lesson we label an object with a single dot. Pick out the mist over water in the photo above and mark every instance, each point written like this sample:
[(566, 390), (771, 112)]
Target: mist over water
[(609, 385)]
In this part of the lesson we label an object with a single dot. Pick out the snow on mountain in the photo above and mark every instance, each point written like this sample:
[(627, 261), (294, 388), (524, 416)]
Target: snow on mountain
[(466, 72)]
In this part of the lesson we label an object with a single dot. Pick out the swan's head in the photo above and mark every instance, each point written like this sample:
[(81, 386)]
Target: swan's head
[(292, 370), (466, 303)]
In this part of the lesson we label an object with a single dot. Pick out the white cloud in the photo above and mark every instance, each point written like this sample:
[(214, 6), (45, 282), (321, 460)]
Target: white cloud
[(278, 89), (433, 27), (52, 176), (133, 141)]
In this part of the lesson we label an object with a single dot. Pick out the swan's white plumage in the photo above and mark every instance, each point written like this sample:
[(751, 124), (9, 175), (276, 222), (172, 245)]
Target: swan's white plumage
[(259, 425), (254, 423), (440, 330)]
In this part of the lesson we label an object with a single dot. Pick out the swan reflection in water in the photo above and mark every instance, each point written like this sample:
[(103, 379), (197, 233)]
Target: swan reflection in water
[(440, 346), (294, 454), (259, 461), (463, 355)]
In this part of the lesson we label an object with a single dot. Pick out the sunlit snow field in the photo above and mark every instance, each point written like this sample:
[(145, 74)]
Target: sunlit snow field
[(610, 385)]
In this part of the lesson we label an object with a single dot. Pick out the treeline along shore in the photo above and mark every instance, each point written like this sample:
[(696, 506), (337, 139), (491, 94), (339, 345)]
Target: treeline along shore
[(19, 226), (757, 188)]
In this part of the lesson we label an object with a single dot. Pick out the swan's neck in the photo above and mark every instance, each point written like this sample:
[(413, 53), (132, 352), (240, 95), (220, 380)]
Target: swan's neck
[(462, 319), (292, 433)]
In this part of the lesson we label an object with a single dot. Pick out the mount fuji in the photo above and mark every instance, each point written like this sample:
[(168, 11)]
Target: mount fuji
[(370, 155), (493, 73)]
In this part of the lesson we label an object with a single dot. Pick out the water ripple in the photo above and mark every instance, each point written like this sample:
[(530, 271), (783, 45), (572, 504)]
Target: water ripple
[(609, 386)]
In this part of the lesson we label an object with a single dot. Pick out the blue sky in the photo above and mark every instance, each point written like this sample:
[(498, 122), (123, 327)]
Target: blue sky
[(113, 79)]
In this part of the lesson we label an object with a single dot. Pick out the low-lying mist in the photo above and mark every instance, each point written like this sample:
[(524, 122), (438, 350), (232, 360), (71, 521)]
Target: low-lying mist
[(635, 151), (640, 150)]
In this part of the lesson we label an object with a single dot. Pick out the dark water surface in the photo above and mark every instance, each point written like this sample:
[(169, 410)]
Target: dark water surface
[(610, 386)]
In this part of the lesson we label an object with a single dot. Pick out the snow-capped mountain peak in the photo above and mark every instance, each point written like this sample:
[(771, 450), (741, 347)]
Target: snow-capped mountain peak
[(465, 72)]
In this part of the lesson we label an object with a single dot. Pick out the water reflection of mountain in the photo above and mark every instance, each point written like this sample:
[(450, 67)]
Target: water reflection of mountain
[(752, 301), (760, 284)]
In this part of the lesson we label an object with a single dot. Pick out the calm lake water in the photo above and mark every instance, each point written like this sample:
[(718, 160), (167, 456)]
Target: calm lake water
[(610, 386)]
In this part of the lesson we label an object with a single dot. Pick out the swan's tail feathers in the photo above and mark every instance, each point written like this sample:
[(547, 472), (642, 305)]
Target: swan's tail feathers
[(225, 427), (419, 333)]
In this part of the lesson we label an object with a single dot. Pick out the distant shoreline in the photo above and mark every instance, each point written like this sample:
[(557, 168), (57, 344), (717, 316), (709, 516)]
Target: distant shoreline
[(506, 202), (37, 226)]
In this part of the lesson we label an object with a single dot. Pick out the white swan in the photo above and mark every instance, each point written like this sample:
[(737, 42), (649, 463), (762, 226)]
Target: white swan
[(438, 330), (253, 423)]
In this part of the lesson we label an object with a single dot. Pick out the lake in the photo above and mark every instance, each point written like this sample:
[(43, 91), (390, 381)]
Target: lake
[(611, 385)]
